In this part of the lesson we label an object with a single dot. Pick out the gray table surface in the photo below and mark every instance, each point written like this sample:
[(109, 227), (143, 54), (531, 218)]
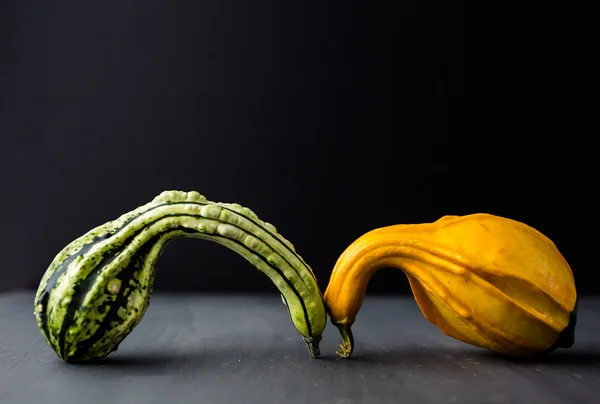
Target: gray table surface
[(244, 349)]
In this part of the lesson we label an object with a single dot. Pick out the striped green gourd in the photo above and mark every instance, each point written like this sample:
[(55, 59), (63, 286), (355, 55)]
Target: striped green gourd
[(97, 289)]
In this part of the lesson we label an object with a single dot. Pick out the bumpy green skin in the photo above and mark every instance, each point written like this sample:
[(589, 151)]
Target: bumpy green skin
[(97, 289)]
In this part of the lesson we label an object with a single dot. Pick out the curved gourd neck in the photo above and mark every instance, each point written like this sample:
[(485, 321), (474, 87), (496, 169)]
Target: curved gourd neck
[(404, 251), (181, 222), (388, 249)]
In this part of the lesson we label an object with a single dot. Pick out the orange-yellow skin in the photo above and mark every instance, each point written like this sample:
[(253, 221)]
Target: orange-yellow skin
[(485, 280)]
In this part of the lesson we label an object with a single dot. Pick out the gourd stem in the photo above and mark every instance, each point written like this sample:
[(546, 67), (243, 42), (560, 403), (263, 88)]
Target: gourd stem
[(313, 346), (347, 345)]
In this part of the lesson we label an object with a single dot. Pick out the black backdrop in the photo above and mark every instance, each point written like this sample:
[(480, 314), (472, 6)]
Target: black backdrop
[(327, 119)]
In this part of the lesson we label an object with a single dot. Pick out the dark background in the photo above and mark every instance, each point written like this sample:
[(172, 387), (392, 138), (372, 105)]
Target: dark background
[(327, 119)]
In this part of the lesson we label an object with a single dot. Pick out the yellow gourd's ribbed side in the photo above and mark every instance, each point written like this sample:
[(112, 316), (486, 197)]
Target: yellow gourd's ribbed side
[(502, 247)]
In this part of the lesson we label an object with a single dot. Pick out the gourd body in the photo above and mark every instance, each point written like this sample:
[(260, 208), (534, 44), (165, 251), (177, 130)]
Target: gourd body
[(97, 289), (485, 280)]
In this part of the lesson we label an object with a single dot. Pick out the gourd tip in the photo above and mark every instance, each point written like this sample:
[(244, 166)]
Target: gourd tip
[(312, 343)]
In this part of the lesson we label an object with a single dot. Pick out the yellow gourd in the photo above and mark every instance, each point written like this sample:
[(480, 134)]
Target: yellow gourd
[(486, 280)]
